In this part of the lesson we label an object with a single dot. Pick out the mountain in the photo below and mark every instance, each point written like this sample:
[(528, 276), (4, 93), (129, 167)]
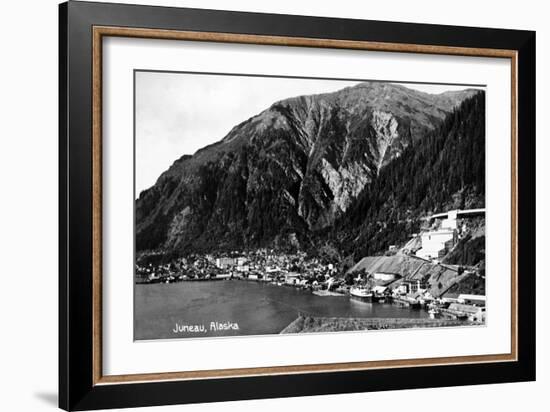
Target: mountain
[(290, 172), (445, 171)]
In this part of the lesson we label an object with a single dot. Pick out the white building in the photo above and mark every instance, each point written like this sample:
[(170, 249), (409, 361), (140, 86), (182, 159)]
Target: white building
[(292, 278), (225, 262), (474, 313), (435, 243), (385, 277), (478, 300), (450, 222)]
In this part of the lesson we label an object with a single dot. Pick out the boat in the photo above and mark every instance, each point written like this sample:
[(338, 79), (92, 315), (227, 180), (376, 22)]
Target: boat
[(360, 292)]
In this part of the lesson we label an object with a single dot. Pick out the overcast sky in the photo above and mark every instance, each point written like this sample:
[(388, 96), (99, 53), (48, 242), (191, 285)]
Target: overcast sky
[(179, 113)]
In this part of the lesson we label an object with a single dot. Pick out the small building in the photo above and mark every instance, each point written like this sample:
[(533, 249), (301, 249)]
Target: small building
[(270, 275), (450, 298), (415, 285), (385, 276), (225, 262), (451, 221), (477, 300), (435, 244), (473, 313), (292, 278), (402, 289)]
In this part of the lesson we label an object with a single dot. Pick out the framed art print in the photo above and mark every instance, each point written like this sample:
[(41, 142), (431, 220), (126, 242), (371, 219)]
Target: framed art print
[(258, 205)]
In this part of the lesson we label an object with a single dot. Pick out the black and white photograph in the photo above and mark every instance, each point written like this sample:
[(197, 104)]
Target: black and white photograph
[(249, 206), (278, 205)]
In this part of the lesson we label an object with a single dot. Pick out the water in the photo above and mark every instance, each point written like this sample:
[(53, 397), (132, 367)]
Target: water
[(257, 308)]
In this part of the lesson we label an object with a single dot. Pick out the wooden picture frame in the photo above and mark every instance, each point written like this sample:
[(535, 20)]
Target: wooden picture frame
[(82, 385)]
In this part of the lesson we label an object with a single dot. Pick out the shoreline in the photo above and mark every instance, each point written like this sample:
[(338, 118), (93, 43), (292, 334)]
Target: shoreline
[(313, 324)]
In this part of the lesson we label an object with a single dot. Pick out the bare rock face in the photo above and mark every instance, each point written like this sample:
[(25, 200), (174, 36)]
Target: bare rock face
[(287, 172), (385, 127)]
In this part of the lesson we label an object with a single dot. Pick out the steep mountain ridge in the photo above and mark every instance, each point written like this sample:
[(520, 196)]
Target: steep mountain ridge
[(445, 171), (287, 172)]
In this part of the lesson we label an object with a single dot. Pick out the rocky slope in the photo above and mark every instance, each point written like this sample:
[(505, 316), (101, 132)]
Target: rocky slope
[(288, 172), (444, 171)]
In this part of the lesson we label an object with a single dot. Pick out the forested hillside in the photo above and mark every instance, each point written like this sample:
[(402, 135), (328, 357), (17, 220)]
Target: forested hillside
[(445, 170)]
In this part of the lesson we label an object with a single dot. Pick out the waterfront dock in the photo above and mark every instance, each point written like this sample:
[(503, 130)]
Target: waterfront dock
[(406, 301), (324, 292)]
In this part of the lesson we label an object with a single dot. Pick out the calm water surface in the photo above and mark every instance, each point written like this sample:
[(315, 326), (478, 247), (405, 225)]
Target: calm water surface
[(257, 308)]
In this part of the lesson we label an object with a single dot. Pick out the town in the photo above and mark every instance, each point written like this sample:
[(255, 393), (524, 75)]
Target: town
[(411, 276), (265, 265)]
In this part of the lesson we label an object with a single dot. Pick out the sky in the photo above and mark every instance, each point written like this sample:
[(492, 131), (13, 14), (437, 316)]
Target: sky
[(179, 113)]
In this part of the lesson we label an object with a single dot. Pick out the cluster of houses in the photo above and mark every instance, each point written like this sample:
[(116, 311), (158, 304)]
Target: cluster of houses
[(465, 306), (442, 232), (262, 265), (291, 269), (300, 270), (415, 293)]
